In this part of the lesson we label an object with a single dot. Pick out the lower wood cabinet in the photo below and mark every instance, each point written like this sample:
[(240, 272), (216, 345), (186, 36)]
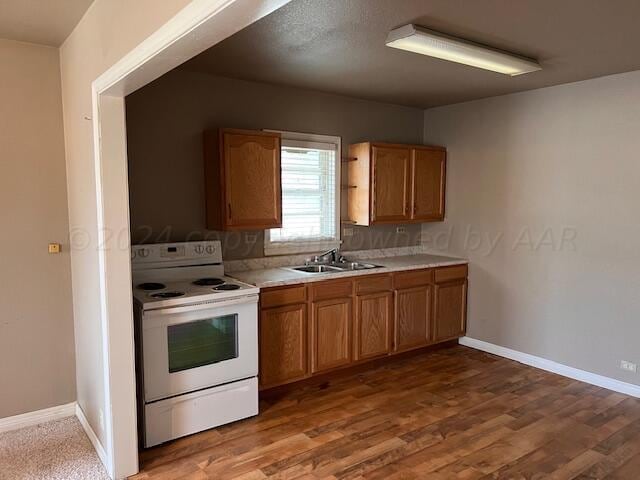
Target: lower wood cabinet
[(450, 308), (283, 344), (374, 320), (330, 334), (309, 329), (413, 318)]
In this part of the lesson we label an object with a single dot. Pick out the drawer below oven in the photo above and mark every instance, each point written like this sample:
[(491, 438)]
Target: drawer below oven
[(194, 412)]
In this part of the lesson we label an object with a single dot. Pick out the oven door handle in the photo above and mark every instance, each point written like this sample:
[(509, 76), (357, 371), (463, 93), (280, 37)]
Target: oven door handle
[(246, 300)]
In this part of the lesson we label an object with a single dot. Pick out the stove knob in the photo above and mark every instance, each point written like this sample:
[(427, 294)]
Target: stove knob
[(210, 249), (144, 253), (133, 253), (199, 249)]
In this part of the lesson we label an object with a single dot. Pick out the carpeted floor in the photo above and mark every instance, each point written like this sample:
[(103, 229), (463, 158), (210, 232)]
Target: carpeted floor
[(57, 450)]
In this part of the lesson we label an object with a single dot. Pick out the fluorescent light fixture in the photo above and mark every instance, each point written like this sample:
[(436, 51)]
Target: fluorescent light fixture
[(434, 44)]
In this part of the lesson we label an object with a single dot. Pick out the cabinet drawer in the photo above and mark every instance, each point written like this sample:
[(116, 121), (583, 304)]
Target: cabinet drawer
[(373, 283), (413, 278), (446, 274), (331, 289), (278, 296)]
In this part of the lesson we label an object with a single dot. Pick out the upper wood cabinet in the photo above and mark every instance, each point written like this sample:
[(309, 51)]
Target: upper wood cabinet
[(394, 183), (428, 184), (390, 177), (242, 178)]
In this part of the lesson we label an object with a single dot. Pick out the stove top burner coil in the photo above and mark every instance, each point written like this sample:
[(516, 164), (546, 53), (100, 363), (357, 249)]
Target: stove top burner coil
[(208, 282), (167, 294), (227, 286), (148, 286)]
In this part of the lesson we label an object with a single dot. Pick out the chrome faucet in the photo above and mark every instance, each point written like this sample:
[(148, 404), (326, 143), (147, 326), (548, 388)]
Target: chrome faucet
[(332, 255)]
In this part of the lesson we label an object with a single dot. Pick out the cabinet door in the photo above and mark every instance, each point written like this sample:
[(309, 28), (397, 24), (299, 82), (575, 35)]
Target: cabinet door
[(450, 310), (373, 323), (330, 334), (428, 184), (390, 197), (252, 179), (413, 318), (283, 345)]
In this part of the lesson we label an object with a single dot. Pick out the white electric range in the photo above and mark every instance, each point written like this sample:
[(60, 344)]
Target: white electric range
[(196, 340)]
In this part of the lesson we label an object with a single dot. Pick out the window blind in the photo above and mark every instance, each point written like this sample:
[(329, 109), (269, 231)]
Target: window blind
[(308, 192)]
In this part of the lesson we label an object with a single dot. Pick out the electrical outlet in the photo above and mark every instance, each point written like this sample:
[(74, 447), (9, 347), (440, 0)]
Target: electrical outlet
[(347, 232), (250, 237), (401, 230), (628, 366)]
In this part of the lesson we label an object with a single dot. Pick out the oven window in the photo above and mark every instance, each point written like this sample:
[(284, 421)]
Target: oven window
[(203, 342)]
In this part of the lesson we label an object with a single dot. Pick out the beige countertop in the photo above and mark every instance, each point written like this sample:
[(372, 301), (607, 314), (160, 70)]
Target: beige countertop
[(279, 276)]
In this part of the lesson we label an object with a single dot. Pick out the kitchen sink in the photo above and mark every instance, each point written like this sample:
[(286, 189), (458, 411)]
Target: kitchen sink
[(317, 269), (354, 265), (334, 267)]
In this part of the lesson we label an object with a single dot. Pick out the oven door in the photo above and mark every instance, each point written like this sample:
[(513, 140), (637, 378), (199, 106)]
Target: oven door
[(194, 347)]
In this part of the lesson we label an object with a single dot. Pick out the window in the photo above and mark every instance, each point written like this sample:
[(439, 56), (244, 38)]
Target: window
[(310, 193)]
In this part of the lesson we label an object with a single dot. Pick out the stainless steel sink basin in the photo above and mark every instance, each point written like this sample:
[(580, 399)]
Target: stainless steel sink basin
[(354, 265), (334, 267), (316, 269)]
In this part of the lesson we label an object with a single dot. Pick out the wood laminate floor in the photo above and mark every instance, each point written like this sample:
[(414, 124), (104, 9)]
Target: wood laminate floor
[(455, 413)]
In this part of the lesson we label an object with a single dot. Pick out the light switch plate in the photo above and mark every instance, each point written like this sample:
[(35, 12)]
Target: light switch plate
[(347, 232)]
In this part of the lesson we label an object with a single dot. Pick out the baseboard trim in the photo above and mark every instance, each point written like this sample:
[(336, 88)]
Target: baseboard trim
[(554, 367), (93, 438), (39, 416)]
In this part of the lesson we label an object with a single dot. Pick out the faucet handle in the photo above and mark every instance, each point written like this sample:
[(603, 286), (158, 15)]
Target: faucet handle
[(312, 260)]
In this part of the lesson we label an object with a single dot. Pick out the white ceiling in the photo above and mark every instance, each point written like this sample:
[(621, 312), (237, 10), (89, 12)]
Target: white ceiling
[(47, 22)]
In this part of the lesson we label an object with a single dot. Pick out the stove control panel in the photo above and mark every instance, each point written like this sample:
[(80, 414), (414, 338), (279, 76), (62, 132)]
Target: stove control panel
[(176, 254), (173, 251)]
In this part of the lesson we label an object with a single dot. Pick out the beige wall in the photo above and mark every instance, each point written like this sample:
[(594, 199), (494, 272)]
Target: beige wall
[(109, 30), (524, 170), (36, 322), (165, 121)]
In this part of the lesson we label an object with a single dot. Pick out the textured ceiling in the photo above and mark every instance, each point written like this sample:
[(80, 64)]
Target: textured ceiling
[(339, 46), (47, 22)]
